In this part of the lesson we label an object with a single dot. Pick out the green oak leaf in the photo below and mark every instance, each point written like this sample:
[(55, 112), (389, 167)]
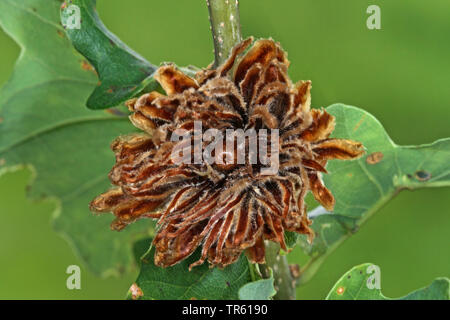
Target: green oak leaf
[(362, 186), (262, 289), (123, 73), (363, 282), (178, 283), (45, 126)]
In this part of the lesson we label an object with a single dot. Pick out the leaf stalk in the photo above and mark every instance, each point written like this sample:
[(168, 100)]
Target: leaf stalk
[(225, 27), (283, 281)]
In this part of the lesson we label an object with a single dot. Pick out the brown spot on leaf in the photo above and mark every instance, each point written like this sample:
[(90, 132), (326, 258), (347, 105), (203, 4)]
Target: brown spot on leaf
[(2, 162), (136, 292), (359, 123), (295, 270), (340, 290), (60, 33), (112, 89), (87, 66), (422, 175), (374, 157)]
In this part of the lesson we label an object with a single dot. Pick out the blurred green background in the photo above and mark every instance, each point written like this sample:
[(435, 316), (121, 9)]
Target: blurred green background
[(400, 74)]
